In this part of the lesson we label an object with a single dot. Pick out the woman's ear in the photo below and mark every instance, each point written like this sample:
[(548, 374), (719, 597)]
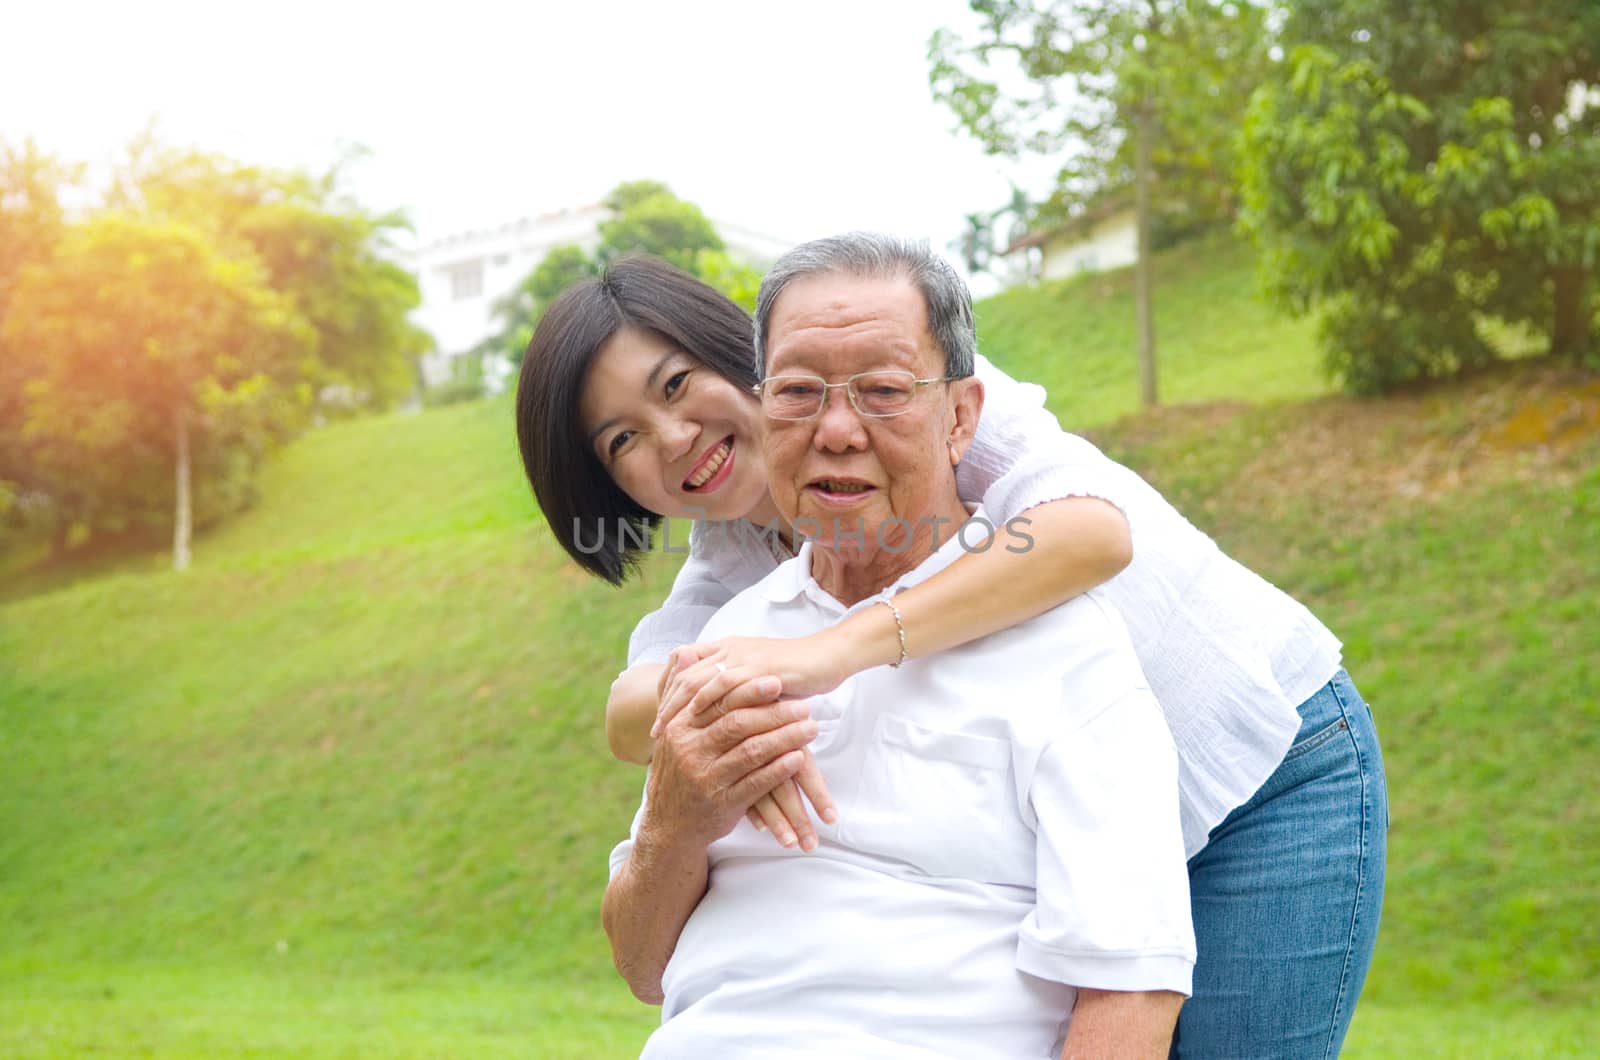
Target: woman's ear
[(967, 405)]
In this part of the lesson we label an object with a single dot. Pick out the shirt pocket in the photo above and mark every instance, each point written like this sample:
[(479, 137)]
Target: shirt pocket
[(942, 802)]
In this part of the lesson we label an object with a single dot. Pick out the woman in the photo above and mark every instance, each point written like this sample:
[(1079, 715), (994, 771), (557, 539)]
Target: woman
[(634, 402)]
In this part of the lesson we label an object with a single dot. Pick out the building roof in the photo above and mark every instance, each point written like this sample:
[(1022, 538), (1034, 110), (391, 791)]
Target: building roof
[(520, 225), (1101, 210)]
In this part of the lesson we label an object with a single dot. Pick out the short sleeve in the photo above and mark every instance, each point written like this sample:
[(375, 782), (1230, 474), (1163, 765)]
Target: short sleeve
[(697, 594), (1112, 911), (1021, 458)]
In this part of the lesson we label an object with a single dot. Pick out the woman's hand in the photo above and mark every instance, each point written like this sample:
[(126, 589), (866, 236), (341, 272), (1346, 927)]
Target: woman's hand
[(807, 666), (781, 812), (696, 679)]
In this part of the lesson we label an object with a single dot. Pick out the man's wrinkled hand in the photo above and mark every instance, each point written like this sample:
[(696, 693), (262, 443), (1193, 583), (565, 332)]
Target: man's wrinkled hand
[(708, 771)]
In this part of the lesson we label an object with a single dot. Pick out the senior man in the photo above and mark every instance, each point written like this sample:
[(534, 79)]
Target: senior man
[(1006, 875)]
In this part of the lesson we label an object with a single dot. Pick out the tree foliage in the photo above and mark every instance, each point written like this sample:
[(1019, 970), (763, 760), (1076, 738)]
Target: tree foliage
[(326, 253), (200, 312), (660, 224), (1071, 79), (988, 233), (629, 193), (1416, 170), (137, 332), (1135, 96), (519, 309), (646, 218), (737, 279), (31, 224)]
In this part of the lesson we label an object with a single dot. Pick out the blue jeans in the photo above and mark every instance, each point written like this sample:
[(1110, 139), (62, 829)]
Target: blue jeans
[(1287, 893)]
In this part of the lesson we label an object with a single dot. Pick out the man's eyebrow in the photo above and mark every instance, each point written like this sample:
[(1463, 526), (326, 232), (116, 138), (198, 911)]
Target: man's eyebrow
[(649, 385)]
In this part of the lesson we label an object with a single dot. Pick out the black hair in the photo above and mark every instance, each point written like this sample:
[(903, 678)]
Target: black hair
[(574, 490)]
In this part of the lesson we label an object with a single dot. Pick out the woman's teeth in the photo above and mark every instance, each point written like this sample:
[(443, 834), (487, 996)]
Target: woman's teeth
[(845, 487), (711, 466)]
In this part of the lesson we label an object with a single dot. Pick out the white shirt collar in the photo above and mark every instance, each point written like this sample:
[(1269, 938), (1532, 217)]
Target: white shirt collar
[(793, 578)]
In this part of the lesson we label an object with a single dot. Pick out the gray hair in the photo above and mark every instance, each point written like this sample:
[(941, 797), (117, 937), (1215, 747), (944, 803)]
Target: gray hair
[(871, 254)]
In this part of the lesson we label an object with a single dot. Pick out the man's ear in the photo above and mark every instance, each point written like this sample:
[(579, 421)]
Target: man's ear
[(966, 398)]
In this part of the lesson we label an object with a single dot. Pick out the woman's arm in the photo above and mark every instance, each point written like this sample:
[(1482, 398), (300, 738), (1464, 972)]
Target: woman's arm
[(697, 593), (1021, 465), (631, 710), (1066, 536), (1077, 544), (1063, 539)]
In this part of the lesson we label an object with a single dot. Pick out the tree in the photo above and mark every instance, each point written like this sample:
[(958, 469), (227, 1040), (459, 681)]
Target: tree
[(1413, 171), (140, 344), (647, 218), (734, 278), (519, 310), (1129, 91), (989, 233), (31, 224), (204, 310), (624, 196), (327, 254), (660, 224)]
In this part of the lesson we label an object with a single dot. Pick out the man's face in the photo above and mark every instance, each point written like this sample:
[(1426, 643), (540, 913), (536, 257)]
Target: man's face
[(840, 469)]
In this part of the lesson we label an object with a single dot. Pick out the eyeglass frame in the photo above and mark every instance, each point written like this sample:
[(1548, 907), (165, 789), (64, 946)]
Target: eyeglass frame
[(849, 392)]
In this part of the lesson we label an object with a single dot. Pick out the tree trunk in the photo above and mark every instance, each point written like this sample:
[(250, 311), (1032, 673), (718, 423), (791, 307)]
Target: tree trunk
[(181, 518), (1570, 331), (1142, 269)]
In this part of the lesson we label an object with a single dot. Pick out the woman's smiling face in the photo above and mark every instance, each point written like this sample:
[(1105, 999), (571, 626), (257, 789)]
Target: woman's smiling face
[(678, 438)]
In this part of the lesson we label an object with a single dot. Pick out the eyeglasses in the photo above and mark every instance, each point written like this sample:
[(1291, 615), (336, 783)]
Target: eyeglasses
[(876, 394)]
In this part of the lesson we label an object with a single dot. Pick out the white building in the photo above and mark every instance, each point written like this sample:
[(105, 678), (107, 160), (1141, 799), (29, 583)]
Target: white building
[(1101, 238), (462, 276)]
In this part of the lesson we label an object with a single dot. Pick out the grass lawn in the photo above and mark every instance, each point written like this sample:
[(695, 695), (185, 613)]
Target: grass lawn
[(239, 1012), (341, 789), (262, 1012), (1215, 340)]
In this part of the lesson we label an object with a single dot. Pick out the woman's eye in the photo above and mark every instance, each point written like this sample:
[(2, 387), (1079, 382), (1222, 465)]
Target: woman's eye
[(676, 382), (618, 442)]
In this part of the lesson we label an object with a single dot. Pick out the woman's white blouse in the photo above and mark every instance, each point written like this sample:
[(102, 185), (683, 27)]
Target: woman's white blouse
[(1229, 657)]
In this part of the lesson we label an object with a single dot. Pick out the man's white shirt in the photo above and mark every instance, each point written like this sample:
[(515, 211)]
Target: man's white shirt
[(1008, 830)]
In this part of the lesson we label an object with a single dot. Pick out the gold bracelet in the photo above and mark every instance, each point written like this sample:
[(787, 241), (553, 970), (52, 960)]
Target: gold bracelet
[(900, 627)]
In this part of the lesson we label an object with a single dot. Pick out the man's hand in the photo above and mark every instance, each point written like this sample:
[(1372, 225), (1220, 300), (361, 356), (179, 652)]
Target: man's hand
[(708, 771), (697, 681), (703, 777)]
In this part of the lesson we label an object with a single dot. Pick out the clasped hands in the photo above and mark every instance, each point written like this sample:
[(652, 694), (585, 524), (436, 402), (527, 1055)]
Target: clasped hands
[(730, 742)]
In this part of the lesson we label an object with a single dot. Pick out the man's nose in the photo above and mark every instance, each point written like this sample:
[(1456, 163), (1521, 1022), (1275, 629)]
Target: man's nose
[(839, 425)]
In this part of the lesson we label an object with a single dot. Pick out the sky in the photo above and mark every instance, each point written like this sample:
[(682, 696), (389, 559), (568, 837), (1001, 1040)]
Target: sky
[(794, 119)]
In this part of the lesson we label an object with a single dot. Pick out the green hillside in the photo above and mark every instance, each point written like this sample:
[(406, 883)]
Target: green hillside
[(1215, 339), (341, 789)]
